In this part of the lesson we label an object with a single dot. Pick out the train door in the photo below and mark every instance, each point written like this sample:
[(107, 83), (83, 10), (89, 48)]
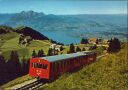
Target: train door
[(42, 70)]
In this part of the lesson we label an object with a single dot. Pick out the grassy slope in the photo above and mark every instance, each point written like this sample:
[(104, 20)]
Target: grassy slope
[(66, 48), (10, 43), (109, 73), (99, 49), (6, 37), (39, 44), (17, 81)]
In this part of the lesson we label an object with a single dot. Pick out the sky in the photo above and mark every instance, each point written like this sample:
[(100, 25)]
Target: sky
[(64, 7)]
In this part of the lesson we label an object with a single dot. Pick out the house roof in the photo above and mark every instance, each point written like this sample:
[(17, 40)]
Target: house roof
[(65, 56), (93, 39)]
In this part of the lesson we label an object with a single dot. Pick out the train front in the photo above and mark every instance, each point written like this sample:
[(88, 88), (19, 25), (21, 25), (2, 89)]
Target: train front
[(39, 68)]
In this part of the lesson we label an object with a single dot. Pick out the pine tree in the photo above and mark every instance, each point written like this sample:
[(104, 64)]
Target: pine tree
[(25, 65), (2, 69), (41, 53), (34, 54), (84, 41), (97, 41), (68, 52), (93, 47), (114, 45), (14, 64), (72, 48), (61, 48), (78, 49), (49, 52), (83, 49)]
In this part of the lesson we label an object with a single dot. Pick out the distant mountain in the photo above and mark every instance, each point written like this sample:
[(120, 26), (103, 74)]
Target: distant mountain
[(72, 27), (23, 19), (41, 21)]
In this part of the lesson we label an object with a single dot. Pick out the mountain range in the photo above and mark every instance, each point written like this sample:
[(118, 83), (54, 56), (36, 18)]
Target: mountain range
[(74, 27)]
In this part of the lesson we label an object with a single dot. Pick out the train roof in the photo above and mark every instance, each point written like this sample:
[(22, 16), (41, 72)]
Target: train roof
[(65, 56)]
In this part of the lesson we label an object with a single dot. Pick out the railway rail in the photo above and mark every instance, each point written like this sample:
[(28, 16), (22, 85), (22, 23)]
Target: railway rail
[(28, 85)]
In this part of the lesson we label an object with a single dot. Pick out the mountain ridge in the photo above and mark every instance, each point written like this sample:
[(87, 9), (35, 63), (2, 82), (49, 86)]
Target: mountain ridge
[(27, 31)]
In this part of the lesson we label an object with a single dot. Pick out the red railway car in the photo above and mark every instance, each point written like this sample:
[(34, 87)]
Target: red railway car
[(51, 66)]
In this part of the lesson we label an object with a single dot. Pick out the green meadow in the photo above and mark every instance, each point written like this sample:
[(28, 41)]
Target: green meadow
[(10, 42)]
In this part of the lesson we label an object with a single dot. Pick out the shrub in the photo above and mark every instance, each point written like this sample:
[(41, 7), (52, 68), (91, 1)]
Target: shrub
[(114, 45)]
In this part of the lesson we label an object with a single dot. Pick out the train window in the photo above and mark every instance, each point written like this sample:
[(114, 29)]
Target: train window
[(53, 65), (45, 66), (71, 61), (32, 64), (74, 61), (61, 64), (39, 65), (78, 60), (82, 58), (56, 64), (68, 62), (64, 63)]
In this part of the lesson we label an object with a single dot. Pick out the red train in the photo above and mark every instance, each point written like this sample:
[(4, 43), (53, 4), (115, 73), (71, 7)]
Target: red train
[(51, 66)]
